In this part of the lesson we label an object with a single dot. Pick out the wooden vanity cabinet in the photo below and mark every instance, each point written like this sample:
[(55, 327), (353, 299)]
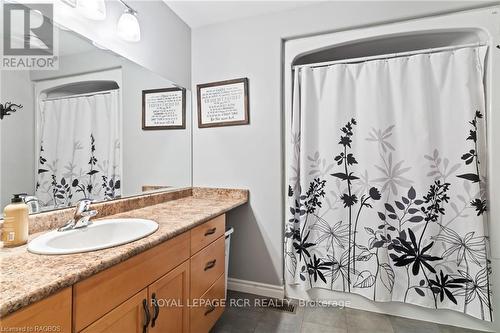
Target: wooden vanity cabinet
[(206, 233), (104, 291), (52, 314), (161, 307), (208, 283), (204, 316), (177, 286), (128, 317), (171, 277), (169, 297), (206, 267)]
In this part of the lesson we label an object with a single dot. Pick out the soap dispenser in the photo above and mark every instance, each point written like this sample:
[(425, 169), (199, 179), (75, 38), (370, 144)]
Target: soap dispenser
[(15, 224)]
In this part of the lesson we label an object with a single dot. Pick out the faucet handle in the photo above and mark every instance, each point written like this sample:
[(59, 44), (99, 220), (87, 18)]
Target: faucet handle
[(89, 213), (83, 205)]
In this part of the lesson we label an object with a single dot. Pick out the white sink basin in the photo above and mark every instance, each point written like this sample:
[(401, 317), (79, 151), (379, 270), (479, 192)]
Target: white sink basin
[(97, 236)]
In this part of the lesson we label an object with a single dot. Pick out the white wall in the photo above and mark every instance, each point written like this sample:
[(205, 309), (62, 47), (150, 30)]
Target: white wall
[(17, 137), (251, 156), (165, 46)]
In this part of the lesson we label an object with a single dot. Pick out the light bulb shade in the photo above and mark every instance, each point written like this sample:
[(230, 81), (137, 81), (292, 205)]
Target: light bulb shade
[(128, 27), (92, 9)]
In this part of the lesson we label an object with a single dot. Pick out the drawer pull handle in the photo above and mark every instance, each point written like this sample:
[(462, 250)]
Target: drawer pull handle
[(210, 264), (210, 309), (146, 313), (210, 231), (156, 309)]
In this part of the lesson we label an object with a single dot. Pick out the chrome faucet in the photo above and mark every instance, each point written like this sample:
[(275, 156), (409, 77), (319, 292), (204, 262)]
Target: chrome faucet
[(82, 216)]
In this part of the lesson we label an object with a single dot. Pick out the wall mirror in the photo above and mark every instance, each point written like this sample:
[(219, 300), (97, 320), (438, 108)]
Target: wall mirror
[(80, 131)]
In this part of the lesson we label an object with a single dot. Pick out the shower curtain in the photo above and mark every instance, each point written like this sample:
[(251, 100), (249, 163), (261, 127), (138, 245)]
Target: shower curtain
[(79, 154), (386, 185)]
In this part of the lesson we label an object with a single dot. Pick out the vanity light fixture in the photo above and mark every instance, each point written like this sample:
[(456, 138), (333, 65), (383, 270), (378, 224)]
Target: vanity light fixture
[(92, 9), (128, 27)]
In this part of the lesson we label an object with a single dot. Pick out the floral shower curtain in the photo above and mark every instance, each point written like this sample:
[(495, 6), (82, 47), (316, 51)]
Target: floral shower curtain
[(79, 149), (386, 183)]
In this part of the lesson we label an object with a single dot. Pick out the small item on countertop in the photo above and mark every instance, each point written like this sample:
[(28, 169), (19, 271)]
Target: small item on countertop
[(15, 225)]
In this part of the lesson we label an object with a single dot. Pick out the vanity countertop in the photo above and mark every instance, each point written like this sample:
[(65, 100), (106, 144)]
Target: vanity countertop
[(26, 278)]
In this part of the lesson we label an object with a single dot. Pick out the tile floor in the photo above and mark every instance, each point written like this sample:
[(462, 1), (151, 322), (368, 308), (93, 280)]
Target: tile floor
[(320, 320)]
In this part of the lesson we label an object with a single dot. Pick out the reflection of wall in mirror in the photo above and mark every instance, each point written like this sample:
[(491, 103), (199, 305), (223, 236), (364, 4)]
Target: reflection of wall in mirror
[(152, 157), (149, 188), (162, 157), (158, 157), (17, 137)]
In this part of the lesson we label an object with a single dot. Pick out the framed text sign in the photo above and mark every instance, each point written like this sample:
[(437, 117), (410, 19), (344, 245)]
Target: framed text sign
[(223, 103), (164, 109)]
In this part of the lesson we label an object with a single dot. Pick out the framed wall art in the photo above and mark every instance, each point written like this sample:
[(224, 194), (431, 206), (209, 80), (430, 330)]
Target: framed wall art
[(223, 103), (164, 109)]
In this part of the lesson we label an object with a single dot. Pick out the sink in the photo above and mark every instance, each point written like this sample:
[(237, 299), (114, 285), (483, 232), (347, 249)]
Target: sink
[(97, 236)]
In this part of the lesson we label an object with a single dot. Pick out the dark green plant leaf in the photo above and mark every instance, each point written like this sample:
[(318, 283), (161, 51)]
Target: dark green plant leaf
[(470, 176), (389, 208), (416, 219), (420, 292), (411, 193)]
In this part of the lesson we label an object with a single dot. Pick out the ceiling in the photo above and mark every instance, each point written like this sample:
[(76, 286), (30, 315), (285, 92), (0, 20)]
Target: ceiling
[(201, 13)]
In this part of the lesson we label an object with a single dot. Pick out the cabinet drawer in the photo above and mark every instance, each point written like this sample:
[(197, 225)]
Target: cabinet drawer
[(100, 293), (206, 233), (211, 307), (206, 266), (53, 312)]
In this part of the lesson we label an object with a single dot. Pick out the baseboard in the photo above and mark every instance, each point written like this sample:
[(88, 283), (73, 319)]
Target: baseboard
[(256, 288)]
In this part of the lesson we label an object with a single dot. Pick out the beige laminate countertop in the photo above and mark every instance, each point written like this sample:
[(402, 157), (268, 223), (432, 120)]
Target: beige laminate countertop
[(26, 278)]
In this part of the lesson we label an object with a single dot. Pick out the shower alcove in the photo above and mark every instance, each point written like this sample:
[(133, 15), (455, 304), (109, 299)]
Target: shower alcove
[(474, 27), (79, 88), (390, 44), (74, 85)]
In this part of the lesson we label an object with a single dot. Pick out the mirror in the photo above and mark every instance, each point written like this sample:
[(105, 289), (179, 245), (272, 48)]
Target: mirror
[(79, 133)]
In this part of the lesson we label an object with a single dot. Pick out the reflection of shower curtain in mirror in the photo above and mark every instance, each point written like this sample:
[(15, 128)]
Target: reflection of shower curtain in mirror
[(386, 181), (79, 149)]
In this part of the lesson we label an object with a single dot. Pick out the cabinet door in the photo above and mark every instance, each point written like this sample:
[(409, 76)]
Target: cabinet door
[(129, 317), (171, 294), (52, 313)]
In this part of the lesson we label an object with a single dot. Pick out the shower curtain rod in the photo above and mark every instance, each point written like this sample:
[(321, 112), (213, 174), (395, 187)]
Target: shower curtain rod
[(387, 56), (103, 92)]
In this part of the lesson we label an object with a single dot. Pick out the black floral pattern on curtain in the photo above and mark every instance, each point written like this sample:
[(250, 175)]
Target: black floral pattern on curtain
[(80, 151), (64, 191), (398, 246)]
